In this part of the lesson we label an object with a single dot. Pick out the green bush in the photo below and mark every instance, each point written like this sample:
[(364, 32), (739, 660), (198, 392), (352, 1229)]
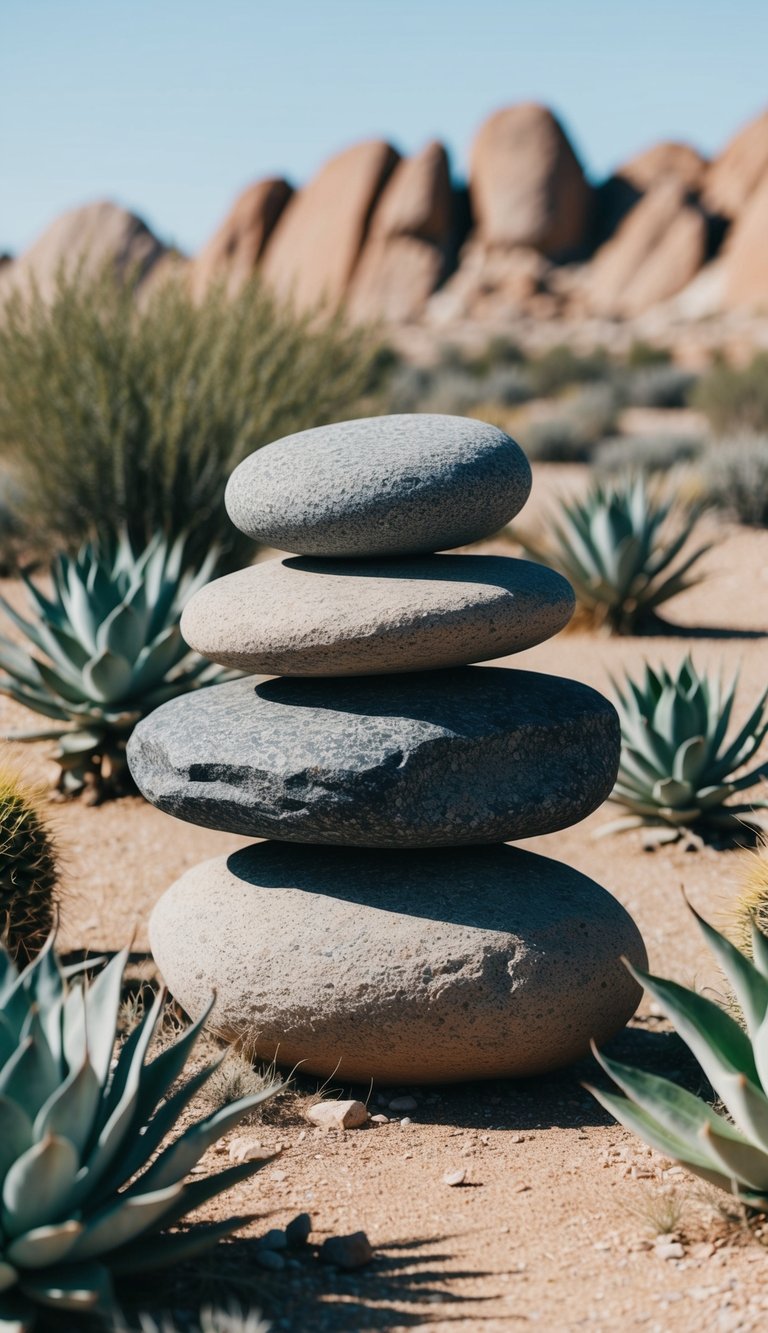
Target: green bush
[(735, 399), (658, 386), (642, 354), (560, 367), (734, 478), (578, 423), (131, 415)]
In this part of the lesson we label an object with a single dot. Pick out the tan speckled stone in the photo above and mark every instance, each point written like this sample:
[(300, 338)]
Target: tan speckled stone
[(305, 617), (416, 967)]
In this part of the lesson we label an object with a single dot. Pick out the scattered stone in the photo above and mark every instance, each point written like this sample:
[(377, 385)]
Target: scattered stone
[(347, 1252), (455, 1177), (274, 1239), (406, 1120), (380, 1119), (313, 617), (428, 759), (669, 1250), (269, 1259), (400, 485), (403, 1104), (447, 965), (247, 1150), (298, 1231), (338, 1115)]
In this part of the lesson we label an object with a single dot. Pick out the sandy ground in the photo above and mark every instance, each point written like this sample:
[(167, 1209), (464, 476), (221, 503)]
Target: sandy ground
[(557, 1223)]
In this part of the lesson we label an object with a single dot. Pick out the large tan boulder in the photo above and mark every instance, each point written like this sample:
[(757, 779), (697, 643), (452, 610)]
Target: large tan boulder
[(90, 238), (746, 257), (315, 247), (405, 253), (659, 247), (739, 169), (526, 183), (234, 250), (668, 158)]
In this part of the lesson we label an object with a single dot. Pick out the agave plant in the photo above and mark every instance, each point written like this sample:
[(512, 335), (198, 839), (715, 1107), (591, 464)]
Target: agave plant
[(677, 770), (728, 1149), (110, 651), (621, 549), (88, 1184)]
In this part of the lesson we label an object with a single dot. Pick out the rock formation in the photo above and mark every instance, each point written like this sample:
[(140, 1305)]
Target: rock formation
[(233, 252), (313, 252), (738, 171), (745, 261), (89, 238), (384, 930)]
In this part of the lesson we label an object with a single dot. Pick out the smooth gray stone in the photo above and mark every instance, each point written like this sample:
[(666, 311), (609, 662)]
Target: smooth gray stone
[(471, 755), (405, 967), (305, 617), (395, 485)]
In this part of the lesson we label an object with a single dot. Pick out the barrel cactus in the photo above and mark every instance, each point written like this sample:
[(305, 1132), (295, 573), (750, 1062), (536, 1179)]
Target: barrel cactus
[(678, 772), (109, 650), (729, 1148), (28, 869), (751, 904), (622, 551), (89, 1181)]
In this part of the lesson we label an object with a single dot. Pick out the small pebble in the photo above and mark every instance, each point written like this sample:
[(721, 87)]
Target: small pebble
[(406, 1120), (297, 1232), (672, 1250), (247, 1150), (270, 1260), (403, 1104), (338, 1115), (275, 1239), (347, 1252), (455, 1177)]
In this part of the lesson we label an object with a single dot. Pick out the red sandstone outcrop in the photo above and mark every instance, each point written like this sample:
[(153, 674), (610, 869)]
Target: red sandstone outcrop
[(527, 186), (739, 170), (656, 251), (89, 238), (405, 254), (317, 242), (668, 158), (746, 257), (233, 252)]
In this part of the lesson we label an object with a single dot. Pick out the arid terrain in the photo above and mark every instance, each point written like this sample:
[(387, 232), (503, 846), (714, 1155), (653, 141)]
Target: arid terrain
[(564, 1220)]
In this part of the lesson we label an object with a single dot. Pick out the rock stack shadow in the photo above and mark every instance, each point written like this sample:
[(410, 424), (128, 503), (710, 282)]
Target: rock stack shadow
[(385, 930)]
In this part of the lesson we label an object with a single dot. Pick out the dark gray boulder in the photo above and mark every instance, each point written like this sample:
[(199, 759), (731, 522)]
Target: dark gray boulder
[(471, 755)]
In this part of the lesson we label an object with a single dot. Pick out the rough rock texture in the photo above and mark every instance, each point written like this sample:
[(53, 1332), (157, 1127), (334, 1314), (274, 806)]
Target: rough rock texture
[(738, 171), (430, 759), (489, 284), (394, 485), (416, 967), (312, 254), (234, 250), (405, 254), (668, 158), (745, 262), (526, 183), (338, 618), (657, 250), (92, 237)]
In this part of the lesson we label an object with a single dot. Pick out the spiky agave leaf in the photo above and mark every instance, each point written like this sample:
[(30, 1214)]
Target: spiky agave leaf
[(106, 650), (730, 1148), (678, 768), (84, 1192), (622, 550)]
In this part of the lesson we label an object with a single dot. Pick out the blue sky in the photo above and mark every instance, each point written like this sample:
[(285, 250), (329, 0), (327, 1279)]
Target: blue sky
[(172, 106)]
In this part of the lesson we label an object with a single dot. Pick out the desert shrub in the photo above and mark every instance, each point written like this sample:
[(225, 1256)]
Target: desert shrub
[(728, 1146), (646, 453), (131, 415), (621, 550), (658, 386), (642, 354), (560, 367), (734, 477), (92, 1176), (735, 399), (577, 424), (455, 390), (107, 649), (678, 772)]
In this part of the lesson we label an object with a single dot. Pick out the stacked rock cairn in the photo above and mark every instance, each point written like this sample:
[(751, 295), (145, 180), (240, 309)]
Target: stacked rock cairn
[(384, 929)]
